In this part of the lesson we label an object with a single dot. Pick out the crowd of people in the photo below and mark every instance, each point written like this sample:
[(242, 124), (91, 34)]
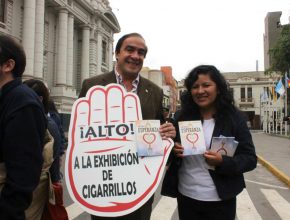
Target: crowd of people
[(27, 114)]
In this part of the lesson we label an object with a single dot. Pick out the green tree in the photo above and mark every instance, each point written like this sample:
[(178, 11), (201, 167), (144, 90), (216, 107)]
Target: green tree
[(280, 53)]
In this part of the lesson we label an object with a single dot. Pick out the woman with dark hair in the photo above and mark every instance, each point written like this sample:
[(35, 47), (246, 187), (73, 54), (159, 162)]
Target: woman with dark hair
[(42, 91), (204, 193), (54, 114)]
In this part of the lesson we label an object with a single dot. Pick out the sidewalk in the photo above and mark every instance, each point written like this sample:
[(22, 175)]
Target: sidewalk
[(274, 153)]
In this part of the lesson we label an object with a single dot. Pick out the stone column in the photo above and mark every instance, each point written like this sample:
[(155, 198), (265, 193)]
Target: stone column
[(70, 51), (61, 65), (111, 54), (28, 35), (39, 34), (99, 52), (85, 61)]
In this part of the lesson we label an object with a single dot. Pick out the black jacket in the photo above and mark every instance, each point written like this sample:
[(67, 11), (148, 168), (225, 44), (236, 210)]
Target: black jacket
[(54, 169), (228, 177), (22, 128)]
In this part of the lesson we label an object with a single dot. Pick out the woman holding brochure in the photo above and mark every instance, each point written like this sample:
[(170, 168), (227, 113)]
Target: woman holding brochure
[(206, 185)]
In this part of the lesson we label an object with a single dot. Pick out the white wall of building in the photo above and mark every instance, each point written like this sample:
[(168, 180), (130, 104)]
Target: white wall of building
[(157, 77), (63, 42)]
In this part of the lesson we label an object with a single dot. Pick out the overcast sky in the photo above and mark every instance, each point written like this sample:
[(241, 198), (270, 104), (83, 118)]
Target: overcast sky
[(186, 33)]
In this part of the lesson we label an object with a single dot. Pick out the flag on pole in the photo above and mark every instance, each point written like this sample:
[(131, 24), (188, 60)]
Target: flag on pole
[(280, 88), (264, 96), (287, 82), (270, 94), (273, 94)]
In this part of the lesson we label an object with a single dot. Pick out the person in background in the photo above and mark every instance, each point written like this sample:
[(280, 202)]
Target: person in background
[(130, 53), (286, 118), (54, 114), (203, 193), (41, 90), (22, 130)]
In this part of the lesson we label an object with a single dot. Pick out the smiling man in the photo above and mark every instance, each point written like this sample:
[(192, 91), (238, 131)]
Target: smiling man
[(130, 53)]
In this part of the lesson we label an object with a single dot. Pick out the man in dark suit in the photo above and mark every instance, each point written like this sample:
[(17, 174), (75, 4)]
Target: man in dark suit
[(130, 53), (22, 128)]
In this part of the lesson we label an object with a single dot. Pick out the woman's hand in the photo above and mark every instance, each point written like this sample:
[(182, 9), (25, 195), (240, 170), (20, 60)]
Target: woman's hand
[(213, 158), (178, 149), (167, 130)]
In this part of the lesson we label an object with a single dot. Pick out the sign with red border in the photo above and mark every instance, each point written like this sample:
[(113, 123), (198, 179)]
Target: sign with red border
[(103, 171)]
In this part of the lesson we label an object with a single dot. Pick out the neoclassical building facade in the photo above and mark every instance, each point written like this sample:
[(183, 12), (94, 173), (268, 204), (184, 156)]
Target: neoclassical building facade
[(254, 94), (65, 41)]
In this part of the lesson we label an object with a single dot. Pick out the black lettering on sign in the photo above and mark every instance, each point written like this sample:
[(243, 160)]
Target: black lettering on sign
[(109, 190), (107, 175), (106, 131), (76, 164)]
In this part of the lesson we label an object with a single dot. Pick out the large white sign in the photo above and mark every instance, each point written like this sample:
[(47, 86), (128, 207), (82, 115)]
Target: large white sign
[(104, 173)]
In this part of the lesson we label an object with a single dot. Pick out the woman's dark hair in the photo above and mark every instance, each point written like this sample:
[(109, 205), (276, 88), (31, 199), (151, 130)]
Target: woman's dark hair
[(122, 39), (11, 49), (40, 89), (224, 101), (51, 106)]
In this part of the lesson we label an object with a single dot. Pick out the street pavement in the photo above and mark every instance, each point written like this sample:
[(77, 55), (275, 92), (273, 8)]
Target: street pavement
[(275, 157)]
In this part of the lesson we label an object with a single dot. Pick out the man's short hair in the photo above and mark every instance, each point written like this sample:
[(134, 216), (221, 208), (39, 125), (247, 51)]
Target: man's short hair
[(122, 39), (11, 49)]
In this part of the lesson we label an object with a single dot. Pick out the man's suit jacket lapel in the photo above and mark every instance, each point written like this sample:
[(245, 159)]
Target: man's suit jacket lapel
[(109, 78), (144, 92)]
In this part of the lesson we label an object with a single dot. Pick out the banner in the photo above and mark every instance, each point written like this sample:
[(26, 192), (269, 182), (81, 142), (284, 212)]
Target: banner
[(104, 173)]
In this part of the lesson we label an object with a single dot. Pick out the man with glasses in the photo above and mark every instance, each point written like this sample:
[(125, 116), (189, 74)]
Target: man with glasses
[(22, 128)]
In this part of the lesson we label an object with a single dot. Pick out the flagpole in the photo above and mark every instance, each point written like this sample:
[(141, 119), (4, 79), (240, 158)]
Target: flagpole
[(273, 107), (281, 118), (286, 110), (268, 111), (276, 117), (261, 95), (264, 107)]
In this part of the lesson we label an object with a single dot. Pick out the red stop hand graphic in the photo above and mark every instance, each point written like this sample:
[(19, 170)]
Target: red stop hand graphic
[(104, 174)]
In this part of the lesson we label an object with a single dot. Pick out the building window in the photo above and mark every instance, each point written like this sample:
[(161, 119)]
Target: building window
[(249, 94), (232, 92), (243, 94), (104, 52), (2, 10), (180, 93)]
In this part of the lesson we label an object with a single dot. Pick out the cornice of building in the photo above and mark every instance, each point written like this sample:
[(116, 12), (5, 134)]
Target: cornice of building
[(86, 12), (109, 18)]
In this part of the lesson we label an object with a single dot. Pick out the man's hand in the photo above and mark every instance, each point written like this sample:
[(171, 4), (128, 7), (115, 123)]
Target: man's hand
[(167, 130), (178, 150)]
